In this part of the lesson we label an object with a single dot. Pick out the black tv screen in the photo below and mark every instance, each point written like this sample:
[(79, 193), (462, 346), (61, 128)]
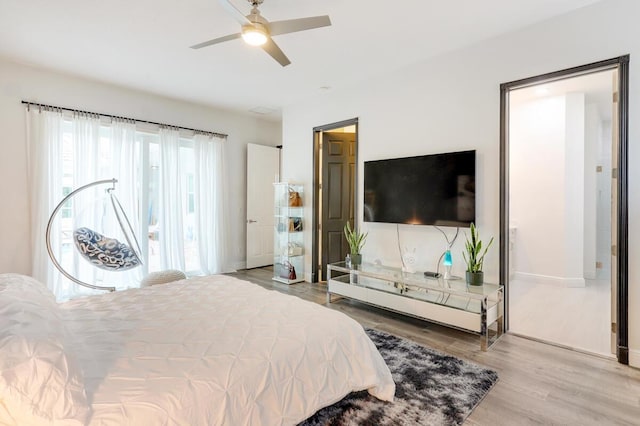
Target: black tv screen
[(424, 190)]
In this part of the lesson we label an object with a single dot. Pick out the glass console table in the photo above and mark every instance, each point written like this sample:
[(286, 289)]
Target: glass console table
[(449, 302)]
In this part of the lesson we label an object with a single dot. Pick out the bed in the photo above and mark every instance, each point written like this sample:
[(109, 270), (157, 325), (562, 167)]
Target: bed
[(205, 351)]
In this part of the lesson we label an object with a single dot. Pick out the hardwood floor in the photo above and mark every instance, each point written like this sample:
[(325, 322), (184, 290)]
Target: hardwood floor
[(538, 383)]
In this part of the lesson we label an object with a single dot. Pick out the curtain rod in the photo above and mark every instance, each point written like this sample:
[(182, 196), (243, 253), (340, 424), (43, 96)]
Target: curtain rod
[(221, 135)]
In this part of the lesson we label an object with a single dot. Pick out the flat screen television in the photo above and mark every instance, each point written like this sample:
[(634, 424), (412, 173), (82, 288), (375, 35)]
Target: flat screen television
[(434, 189)]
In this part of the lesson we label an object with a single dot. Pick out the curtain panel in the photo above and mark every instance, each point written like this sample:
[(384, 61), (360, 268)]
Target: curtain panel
[(72, 150), (210, 187)]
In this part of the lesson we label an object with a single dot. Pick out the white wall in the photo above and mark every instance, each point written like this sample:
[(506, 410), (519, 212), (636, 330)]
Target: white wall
[(538, 185), (574, 190), (452, 103), (19, 82), (552, 187), (552, 191)]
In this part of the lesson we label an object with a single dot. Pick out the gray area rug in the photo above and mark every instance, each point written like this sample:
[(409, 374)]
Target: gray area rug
[(431, 389)]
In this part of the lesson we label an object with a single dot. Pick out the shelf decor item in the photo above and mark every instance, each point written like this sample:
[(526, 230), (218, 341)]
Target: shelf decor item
[(447, 259), (409, 261), (474, 257), (295, 224), (285, 270), (295, 200), (448, 263), (356, 241)]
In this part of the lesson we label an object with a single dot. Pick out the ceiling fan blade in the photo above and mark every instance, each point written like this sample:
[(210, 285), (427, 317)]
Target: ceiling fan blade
[(276, 53), (302, 24), (216, 41), (234, 11)]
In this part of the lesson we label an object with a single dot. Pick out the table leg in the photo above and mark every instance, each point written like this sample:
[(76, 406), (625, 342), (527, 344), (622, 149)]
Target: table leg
[(484, 331)]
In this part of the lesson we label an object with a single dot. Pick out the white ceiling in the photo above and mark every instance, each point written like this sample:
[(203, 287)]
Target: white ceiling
[(144, 44)]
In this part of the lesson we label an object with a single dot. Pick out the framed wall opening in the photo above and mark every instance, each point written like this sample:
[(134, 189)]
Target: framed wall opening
[(335, 159), (619, 239)]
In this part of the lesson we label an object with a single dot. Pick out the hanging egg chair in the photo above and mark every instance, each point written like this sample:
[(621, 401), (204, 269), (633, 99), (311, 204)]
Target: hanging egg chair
[(91, 227)]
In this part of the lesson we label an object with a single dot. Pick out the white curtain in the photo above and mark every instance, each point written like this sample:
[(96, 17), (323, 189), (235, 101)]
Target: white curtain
[(122, 154), (44, 141), (210, 214), (87, 206), (126, 157), (170, 218), (71, 152)]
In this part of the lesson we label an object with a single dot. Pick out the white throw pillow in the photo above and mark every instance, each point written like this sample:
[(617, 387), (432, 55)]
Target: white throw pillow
[(39, 382)]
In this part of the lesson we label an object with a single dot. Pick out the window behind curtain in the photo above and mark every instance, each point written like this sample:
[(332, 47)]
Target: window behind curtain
[(101, 168), (149, 168), (187, 204), (69, 150)]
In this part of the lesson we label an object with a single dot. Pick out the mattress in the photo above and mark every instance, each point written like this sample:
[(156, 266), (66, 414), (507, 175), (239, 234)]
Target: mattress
[(217, 351)]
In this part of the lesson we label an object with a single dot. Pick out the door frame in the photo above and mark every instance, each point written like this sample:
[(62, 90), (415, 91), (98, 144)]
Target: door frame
[(620, 63), (316, 187)]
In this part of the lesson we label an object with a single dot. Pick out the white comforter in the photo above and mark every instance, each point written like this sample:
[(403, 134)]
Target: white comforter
[(217, 351)]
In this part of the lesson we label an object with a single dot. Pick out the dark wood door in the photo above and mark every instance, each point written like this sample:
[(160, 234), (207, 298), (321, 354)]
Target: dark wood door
[(338, 198)]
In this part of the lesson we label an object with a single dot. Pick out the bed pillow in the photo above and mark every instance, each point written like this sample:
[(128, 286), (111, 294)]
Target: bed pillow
[(39, 382)]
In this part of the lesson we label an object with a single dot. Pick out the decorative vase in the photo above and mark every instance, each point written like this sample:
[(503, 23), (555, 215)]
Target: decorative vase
[(356, 259), (409, 261), (475, 278)]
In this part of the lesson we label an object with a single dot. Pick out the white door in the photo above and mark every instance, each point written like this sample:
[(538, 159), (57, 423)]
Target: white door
[(263, 164)]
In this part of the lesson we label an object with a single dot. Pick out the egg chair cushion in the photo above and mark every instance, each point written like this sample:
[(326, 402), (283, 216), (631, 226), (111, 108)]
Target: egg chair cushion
[(104, 252)]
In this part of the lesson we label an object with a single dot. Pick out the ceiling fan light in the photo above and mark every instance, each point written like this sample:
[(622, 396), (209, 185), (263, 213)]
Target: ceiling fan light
[(254, 35)]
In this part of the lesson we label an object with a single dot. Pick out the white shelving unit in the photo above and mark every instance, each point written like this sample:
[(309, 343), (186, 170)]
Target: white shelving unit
[(288, 251)]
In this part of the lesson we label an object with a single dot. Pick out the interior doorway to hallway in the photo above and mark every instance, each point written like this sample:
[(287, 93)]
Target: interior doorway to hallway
[(334, 194), (563, 207)]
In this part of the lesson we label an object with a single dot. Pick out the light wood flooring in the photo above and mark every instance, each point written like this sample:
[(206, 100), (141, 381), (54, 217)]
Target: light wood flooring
[(538, 383), (578, 317)]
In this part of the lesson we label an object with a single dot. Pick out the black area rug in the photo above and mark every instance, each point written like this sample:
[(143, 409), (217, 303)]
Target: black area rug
[(431, 389)]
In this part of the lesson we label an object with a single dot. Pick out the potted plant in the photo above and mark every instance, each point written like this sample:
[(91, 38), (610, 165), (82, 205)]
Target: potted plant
[(474, 257), (356, 241)]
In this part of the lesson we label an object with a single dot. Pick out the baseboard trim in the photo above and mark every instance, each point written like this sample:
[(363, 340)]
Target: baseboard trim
[(549, 280), (560, 345), (634, 358), (238, 266)]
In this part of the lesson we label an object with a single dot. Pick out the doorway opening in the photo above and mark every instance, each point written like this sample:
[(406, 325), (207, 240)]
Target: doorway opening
[(334, 192), (563, 215)]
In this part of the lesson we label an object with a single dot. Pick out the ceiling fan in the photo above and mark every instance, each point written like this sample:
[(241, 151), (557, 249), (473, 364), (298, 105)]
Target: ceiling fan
[(257, 31)]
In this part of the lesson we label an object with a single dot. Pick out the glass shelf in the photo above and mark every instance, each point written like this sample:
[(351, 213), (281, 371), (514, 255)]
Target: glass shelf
[(288, 250), (418, 280)]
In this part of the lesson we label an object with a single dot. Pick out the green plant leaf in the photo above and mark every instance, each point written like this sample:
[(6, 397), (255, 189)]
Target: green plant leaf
[(473, 254), (355, 238)]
